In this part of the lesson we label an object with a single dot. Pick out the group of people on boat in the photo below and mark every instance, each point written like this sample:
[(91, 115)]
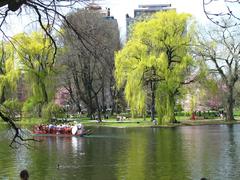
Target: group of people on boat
[(67, 129)]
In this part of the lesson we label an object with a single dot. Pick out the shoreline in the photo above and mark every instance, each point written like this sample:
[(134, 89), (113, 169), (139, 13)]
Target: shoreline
[(136, 123), (148, 124)]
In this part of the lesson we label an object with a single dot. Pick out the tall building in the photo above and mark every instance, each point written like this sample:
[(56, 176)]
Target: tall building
[(145, 11), (97, 8), (106, 12)]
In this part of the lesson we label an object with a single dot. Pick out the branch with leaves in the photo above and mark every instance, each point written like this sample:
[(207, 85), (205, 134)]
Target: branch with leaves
[(49, 15)]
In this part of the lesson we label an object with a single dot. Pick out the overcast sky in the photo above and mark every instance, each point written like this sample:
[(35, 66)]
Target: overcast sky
[(119, 8)]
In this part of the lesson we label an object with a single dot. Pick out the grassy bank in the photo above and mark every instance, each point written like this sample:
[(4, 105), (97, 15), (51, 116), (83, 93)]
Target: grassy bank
[(139, 122), (148, 123)]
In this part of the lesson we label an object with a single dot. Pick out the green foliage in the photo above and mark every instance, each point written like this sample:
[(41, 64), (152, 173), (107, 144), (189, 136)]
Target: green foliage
[(13, 108), (52, 110), (157, 52), (31, 106), (210, 115), (35, 59), (9, 73), (32, 121), (183, 113), (237, 112), (179, 107)]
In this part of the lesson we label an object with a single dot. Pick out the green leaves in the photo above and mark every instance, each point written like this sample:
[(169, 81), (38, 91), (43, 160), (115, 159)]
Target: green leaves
[(9, 73), (34, 54), (156, 53)]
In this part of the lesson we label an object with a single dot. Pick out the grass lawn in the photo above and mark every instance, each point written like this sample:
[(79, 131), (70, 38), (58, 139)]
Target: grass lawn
[(138, 122), (122, 124)]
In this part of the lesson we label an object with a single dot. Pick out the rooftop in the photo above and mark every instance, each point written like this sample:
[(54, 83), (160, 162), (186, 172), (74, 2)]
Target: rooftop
[(153, 6)]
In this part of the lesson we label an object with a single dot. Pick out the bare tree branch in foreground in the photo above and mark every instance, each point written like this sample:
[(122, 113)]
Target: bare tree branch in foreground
[(50, 16), (18, 138), (226, 11)]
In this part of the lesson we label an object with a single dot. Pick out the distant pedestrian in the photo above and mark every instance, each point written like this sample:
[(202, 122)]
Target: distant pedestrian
[(24, 175), (221, 115), (155, 122)]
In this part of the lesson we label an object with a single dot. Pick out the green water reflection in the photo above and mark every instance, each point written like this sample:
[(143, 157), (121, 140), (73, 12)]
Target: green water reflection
[(131, 154)]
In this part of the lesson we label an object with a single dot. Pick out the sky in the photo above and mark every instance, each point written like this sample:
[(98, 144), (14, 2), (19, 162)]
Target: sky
[(119, 8)]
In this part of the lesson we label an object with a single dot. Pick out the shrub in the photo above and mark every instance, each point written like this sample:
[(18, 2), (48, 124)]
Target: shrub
[(31, 107), (13, 108), (52, 110)]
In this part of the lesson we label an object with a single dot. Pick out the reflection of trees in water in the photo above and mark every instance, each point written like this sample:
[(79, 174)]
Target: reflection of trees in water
[(64, 145), (7, 160), (211, 151), (54, 156), (229, 161), (133, 157), (77, 145), (138, 156), (153, 154), (179, 153), (169, 155), (22, 158), (203, 146)]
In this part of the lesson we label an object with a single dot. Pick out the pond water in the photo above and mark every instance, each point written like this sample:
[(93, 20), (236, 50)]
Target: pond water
[(132, 154)]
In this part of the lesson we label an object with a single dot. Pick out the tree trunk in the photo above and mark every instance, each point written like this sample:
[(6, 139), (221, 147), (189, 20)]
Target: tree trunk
[(90, 111), (98, 109), (75, 101), (79, 109), (170, 109), (3, 95), (39, 110), (230, 105), (90, 96), (113, 94), (113, 107), (44, 91), (153, 88), (103, 99)]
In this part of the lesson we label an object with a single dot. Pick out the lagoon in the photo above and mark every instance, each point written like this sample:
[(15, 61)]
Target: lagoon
[(180, 153)]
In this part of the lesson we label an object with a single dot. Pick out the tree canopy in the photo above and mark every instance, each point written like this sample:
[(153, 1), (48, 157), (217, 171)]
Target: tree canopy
[(219, 48), (36, 62), (155, 62), (89, 77), (48, 15)]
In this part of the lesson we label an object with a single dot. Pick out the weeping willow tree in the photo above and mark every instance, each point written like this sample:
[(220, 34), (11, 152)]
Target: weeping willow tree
[(9, 73), (48, 13), (35, 54), (155, 64)]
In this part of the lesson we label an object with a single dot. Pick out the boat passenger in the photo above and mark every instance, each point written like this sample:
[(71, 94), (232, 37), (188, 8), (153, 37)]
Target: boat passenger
[(80, 126), (58, 127), (80, 129), (41, 127), (50, 128)]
